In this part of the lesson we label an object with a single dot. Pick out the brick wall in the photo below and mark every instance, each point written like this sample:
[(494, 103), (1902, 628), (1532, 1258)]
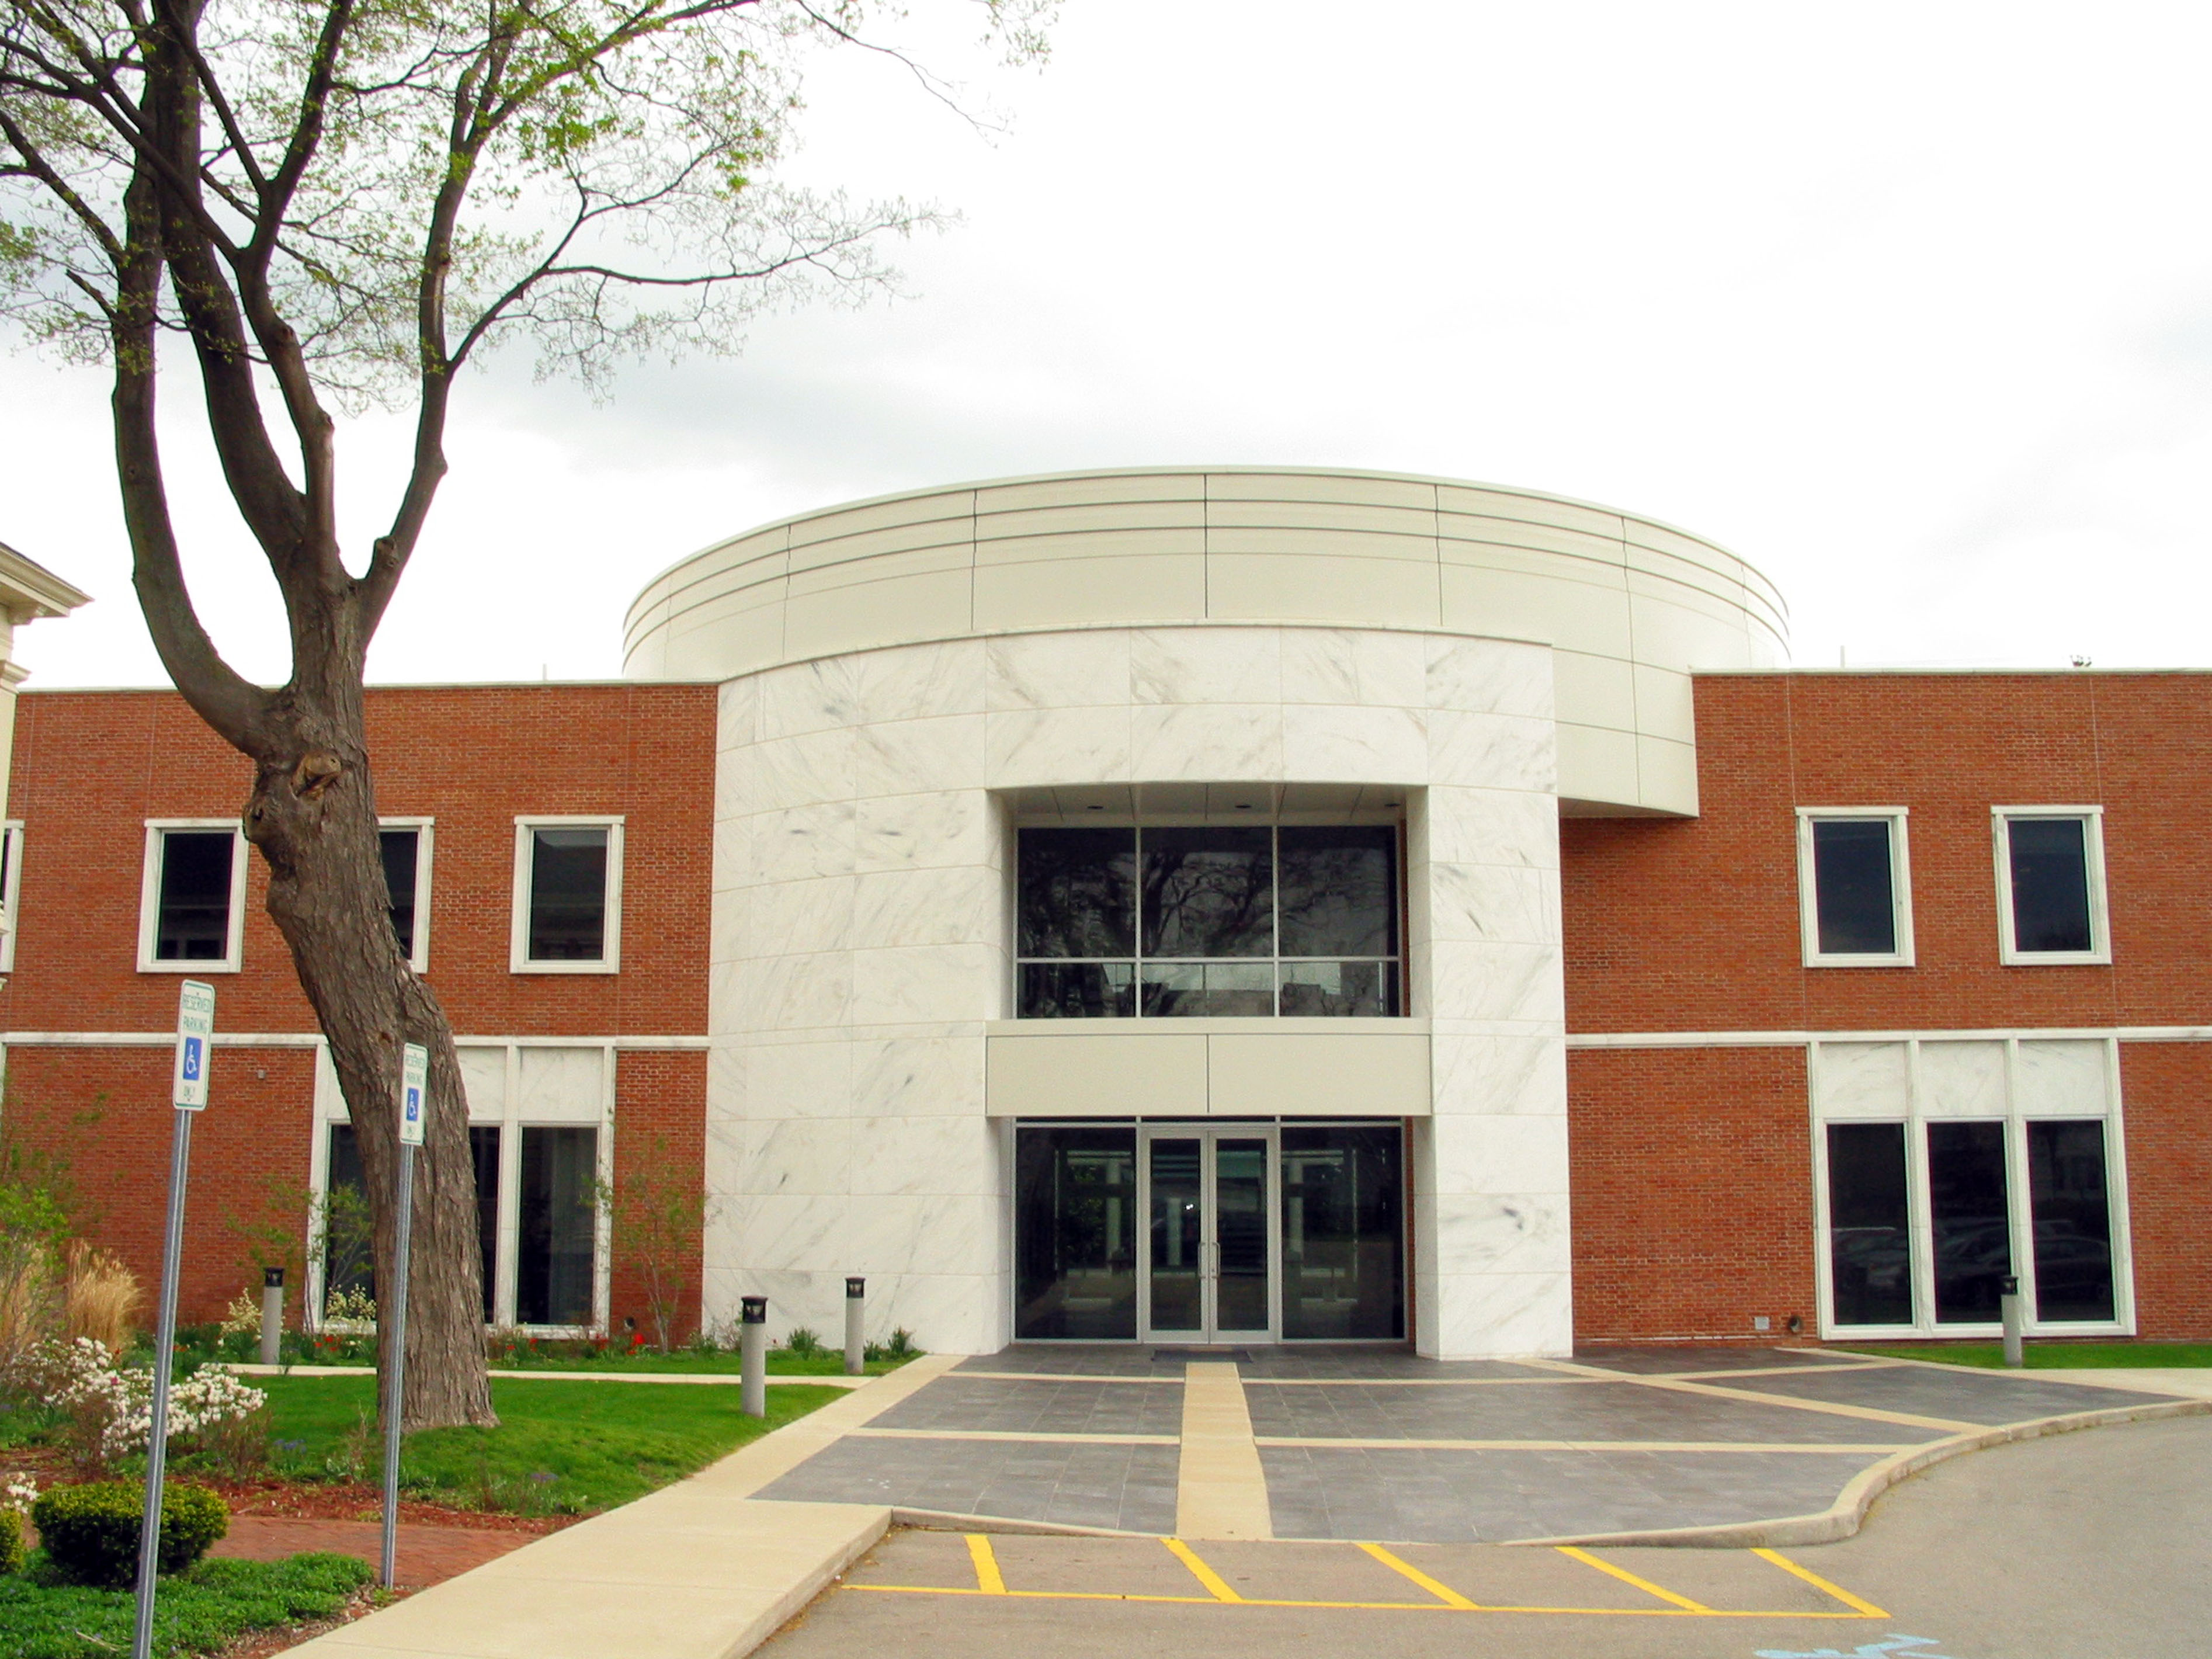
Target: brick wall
[(660, 1161), (1693, 1193), (2168, 1091), (1692, 1168)]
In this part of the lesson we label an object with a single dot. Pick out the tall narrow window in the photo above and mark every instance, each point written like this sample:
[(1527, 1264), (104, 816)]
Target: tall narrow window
[(2051, 885), (567, 902), (11, 892), (192, 917), (1855, 888), (1967, 1207), (2068, 1198), (1075, 1238), (554, 1276), (406, 852), (1869, 1234)]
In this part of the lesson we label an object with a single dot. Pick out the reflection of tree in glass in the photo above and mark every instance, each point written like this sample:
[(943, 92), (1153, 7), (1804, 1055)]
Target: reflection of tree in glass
[(1209, 893), (1340, 891), (1078, 892)]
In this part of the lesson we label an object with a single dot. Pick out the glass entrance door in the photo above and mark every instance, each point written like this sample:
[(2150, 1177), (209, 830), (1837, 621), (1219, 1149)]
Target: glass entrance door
[(1210, 1203)]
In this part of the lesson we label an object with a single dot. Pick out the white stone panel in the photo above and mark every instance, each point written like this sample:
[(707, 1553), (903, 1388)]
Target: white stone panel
[(1355, 745), (1962, 1079), (561, 1085), (1860, 1080), (2063, 1079), (483, 1081)]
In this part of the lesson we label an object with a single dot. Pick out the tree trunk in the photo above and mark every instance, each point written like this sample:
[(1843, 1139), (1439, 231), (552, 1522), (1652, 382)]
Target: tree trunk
[(313, 817)]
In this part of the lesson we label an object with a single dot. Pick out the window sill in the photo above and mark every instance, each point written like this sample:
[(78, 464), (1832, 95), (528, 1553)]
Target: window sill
[(190, 967), (1858, 962), (2054, 959), (564, 968)]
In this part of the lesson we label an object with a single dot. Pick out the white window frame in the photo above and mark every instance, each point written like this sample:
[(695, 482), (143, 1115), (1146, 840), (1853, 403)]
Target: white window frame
[(1900, 894), (425, 834), (149, 899), (11, 893), (519, 960), (2093, 849), (1916, 1118), (510, 1120)]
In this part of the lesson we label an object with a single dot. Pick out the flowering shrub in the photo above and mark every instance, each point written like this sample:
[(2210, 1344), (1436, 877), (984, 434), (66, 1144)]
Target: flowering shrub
[(111, 1409), (18, 1492), (348, 1308), (243, 1316)]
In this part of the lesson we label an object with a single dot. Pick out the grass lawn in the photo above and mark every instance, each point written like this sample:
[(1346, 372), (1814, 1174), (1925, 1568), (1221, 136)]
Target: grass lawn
[(2052, 1356), (196, 1612), (561, 1448)]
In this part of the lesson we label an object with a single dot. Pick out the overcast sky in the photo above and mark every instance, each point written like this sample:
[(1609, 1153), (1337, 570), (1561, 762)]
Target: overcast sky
[(1910, 306)]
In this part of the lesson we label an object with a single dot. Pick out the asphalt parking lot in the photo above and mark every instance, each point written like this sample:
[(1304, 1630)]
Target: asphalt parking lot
[(2096, 1544)]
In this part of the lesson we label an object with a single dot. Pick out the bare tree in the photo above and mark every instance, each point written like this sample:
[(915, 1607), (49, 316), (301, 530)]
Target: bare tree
[(335, 203)]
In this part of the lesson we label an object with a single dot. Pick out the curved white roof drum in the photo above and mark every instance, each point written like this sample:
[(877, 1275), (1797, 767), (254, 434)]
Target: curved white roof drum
[(1631, 607)]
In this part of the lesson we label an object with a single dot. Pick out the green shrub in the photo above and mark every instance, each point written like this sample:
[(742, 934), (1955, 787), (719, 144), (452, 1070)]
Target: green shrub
[(11, 1540), (91, 1532), (803, 1342)]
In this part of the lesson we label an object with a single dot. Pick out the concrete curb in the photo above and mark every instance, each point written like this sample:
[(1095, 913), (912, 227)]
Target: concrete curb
[(948, 1521), (699, 1569), (1845, 1516)]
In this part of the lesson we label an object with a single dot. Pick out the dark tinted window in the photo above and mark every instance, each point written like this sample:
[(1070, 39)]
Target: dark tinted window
[(1209, 893), (400, 848), (1972, 1221), (553, 1279), (568, 895), (1870, 1239), (2073, 1220), (1854, 898), (483, 1151), (2050, 883), (193, 922), (1078, 893), (1343, 1199), (1075, 1234), (1077, 990), (1339, 891)]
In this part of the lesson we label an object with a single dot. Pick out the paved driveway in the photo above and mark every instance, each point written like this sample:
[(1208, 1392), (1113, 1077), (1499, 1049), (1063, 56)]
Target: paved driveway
[(1370, 1445), (2092, 1546)]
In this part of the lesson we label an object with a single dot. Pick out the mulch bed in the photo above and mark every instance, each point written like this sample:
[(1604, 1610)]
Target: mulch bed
[(304, 1500)]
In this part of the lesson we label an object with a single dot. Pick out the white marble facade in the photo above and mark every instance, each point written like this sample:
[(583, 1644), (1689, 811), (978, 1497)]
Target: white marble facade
[(865, 818)]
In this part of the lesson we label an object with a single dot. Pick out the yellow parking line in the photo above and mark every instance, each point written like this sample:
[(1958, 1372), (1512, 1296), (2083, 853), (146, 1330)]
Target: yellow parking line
[(1444, 1593), (1363, 1607), (1857, 1604), (988, 1579), (1628, 1578), (1200, 1571)]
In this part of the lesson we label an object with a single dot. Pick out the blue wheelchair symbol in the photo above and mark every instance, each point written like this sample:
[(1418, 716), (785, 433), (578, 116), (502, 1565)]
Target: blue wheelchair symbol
[(192, 1073), (414, 1104)]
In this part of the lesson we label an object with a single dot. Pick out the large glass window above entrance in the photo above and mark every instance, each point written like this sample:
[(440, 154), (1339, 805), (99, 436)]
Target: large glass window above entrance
[(1216, 920)]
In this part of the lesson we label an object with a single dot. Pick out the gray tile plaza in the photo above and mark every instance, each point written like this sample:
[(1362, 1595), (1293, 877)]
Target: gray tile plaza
[(1375, 1444)]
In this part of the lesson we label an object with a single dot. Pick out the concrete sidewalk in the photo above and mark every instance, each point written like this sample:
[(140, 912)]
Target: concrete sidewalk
[(699, 1569)]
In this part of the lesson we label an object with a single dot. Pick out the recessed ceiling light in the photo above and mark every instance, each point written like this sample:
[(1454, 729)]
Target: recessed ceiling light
[(1094, 808)]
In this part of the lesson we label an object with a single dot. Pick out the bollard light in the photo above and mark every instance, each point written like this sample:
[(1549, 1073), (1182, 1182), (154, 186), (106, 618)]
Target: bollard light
[(272, 1313), (752, 1355), (856, 1337), (2010, 1311)]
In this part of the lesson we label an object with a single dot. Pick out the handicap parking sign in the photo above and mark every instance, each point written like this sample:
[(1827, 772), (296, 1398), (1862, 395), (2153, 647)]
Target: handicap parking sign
[(414, 1085), (188, 1089)]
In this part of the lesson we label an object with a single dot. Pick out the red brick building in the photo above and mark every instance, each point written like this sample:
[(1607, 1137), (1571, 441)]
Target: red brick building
[(1129, 973)]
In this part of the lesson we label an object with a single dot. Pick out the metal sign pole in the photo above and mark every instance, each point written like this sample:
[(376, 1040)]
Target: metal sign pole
[(414, 1081), (188, 1092)]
